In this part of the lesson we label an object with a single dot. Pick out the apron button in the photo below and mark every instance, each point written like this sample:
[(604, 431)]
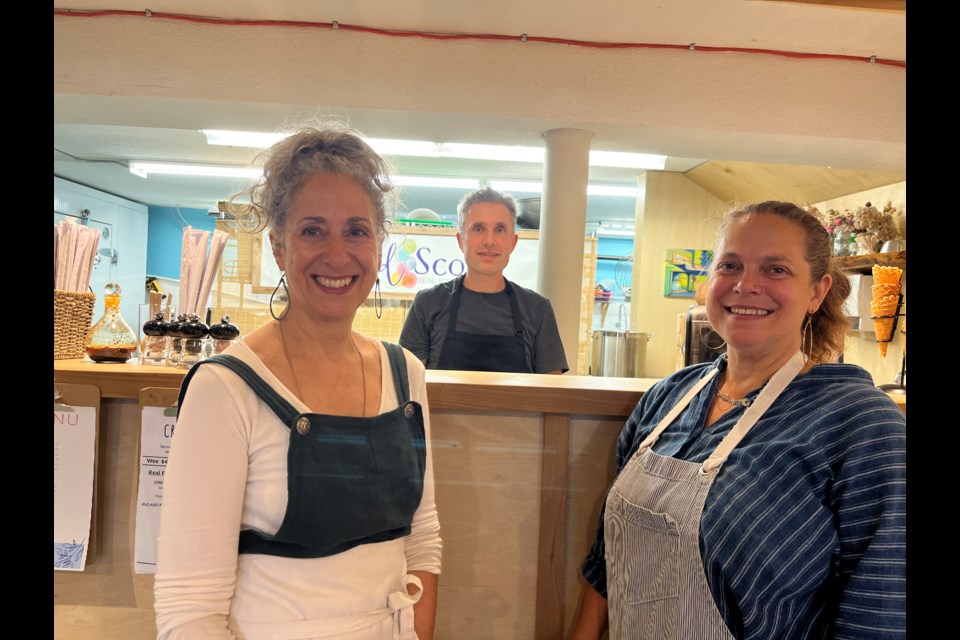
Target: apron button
[(303, 425), (408, 410)]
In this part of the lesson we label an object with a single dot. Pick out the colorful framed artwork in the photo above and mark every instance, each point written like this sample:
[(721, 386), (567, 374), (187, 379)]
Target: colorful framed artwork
[(685, 270)]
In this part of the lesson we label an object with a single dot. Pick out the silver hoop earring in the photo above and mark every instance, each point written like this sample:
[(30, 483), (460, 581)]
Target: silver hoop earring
[(286, 295), (705, 333), (806, 339), (377, 299)]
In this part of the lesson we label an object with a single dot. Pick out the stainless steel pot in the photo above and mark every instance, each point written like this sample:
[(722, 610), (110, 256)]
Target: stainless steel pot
[(620, 354)]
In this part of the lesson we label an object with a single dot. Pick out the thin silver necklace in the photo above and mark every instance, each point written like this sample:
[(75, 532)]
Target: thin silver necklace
[(296, 382), (745, 402)]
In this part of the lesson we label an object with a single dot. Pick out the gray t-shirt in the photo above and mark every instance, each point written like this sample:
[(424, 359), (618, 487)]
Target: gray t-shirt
[(486, 313)]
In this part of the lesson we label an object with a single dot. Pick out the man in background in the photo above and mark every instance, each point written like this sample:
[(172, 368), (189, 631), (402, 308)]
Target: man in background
[(481, 321)]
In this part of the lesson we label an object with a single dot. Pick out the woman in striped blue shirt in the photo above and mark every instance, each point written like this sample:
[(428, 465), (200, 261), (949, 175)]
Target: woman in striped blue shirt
[(763, 495)]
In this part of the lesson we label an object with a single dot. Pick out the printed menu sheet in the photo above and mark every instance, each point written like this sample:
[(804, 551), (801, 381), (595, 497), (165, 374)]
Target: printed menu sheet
[(155, 436), (74, 455)]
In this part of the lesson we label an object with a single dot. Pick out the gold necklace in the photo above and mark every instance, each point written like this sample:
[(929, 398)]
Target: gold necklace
[(296, 382)]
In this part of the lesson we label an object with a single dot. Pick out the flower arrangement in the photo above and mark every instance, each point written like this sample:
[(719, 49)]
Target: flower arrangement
[(870, 226), (834, 221), (837, 222), (882, 224)]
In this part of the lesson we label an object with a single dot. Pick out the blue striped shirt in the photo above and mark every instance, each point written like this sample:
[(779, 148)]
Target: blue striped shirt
[(803, 534)]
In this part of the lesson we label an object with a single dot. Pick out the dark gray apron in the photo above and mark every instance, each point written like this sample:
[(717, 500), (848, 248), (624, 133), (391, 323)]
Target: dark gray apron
[(479, 351), (350, 480)]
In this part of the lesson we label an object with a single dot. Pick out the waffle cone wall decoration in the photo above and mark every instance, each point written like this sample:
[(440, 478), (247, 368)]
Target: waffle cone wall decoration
[(883, 304)]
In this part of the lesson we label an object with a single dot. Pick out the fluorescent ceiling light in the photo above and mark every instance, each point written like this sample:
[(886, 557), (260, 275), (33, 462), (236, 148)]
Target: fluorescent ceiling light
[(491, 152), (620, 233), (427, 181), (254, 139), (416, 148), (143, 169), (512, 186), (627, 160), (427, 149), (537, 187)]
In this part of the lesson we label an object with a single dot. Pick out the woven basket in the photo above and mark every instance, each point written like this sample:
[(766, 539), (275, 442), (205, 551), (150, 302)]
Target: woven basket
[(72, 318)]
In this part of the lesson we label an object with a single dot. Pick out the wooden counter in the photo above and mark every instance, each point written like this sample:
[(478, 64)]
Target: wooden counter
[(117, 380), (462, 389), (521, 463)]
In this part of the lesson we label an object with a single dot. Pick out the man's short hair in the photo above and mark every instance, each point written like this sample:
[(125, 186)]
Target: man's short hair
[(486, 194)]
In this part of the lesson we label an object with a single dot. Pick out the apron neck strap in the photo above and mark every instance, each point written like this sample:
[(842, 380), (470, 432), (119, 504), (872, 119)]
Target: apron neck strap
[(676, 410), (770, 392), (774, 387)]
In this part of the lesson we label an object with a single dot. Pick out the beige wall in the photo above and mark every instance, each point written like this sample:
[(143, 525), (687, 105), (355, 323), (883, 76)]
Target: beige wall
[(672, 212)]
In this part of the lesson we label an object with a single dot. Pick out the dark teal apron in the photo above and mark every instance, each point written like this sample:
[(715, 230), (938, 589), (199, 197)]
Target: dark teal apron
[(480, 351), (350, 480)]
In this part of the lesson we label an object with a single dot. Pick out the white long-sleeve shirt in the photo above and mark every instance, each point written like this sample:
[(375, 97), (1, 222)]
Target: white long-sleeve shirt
[(227, 471)]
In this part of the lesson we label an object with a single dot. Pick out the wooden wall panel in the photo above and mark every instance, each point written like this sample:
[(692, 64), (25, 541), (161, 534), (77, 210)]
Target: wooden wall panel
[(746, 182), (673, 213), (487, 470), (107, 595)]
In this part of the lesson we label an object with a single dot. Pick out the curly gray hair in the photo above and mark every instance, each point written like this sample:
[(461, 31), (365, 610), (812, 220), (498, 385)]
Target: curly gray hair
[(332, 149)]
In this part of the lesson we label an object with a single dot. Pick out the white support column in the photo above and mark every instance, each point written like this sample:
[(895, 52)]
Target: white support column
[(563, 221)]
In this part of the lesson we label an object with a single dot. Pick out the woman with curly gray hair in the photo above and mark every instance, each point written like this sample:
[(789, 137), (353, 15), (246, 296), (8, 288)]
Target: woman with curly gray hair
[(299, 497)]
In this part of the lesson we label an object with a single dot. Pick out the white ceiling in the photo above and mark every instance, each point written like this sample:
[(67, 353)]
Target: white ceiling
[(94, 137)]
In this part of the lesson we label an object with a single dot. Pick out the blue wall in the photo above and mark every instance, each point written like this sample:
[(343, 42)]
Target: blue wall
[(165, 237)]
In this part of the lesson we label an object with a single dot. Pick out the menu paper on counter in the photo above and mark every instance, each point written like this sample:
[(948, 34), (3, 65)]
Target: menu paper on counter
[(74, 465), (156, 434)]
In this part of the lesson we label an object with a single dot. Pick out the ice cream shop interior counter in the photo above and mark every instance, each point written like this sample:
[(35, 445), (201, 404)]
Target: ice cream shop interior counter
[(521, 464)]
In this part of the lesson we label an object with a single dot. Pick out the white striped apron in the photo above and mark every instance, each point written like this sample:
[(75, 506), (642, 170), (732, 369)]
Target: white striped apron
[(656, 584)]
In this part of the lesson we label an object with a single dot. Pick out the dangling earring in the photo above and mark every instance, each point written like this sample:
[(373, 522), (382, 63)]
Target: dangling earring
[(377, 299), (286, 294), (806, 340)]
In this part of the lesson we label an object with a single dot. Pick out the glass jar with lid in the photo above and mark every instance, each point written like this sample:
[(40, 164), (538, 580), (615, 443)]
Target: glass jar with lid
[(175, 339), (154, 348), (192, 332), (223, 334)]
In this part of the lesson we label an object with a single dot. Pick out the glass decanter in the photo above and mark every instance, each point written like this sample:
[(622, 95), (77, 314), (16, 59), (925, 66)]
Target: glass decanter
[(111, 339)]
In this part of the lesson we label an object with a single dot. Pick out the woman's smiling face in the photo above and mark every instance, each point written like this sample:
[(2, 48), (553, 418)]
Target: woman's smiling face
[(760, 288), (329, 248)]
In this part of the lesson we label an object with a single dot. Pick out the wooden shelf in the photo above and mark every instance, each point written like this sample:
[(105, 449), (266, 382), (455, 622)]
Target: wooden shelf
[(864, 263)]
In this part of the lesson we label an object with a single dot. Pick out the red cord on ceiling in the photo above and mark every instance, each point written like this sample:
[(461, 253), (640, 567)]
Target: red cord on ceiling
[(73, 13)]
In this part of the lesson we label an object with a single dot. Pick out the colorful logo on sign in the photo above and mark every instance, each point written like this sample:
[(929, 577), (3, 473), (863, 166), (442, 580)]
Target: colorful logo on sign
[(406, 264), (404, 274)]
